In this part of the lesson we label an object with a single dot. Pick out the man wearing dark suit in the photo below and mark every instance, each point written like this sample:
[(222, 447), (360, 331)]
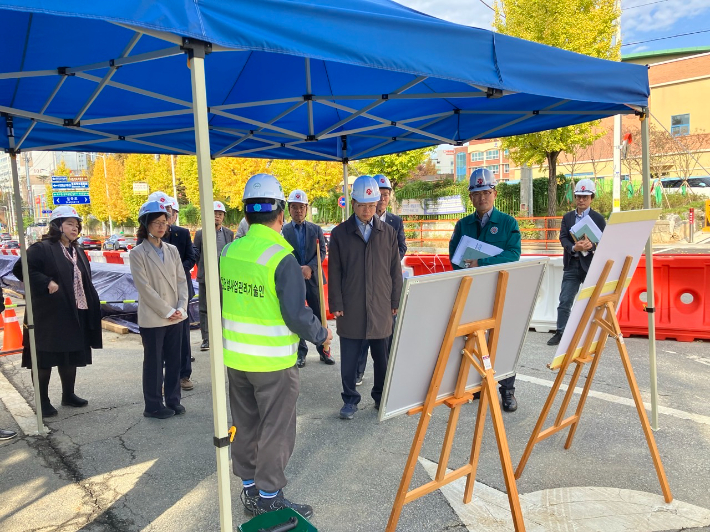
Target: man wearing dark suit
[(578, 254), (180, 238), (398, 225), (302, 236), (224, 237)]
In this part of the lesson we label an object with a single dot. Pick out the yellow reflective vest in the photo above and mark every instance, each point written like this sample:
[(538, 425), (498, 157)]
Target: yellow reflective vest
[(254, 334)]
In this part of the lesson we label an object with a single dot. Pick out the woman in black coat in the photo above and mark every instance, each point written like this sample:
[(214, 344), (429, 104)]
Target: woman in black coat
[(67, 313)]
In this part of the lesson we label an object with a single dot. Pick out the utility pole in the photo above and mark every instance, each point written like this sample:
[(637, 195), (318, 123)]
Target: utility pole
[(30, 196), (616, 139), (172, 167), (108, 198)]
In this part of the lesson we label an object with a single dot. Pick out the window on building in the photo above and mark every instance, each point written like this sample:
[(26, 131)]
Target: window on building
[(476, 156), (506, 153), (492, 154), (506, 168), (493, 168), (460, 166), (680, 125)]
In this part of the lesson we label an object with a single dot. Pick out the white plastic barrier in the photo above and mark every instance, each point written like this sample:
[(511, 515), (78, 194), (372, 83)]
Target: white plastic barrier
[(96, 256), (544, 318), (124, 256)]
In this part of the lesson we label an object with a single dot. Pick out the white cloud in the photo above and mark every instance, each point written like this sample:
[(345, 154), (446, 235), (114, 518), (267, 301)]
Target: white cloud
[(466, 12), (648, 20)]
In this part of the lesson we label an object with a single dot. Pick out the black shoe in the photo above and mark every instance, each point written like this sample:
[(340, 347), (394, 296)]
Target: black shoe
[(358, 381), (377, 406), (301, 362), (509, 402), (48, 410), (178, 409), (161, 413), (192, 359), (7, 434), (73, 400), (249, 498), (205, 346), (555, 338), (325, 357), (476, 396), (279, 502), (348, 411)]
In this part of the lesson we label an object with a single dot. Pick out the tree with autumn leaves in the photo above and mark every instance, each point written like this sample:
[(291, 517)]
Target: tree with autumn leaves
[(583, 26)]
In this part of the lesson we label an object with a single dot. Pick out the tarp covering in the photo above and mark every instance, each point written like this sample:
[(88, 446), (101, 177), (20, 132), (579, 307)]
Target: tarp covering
[(113, 282), (286, 78)]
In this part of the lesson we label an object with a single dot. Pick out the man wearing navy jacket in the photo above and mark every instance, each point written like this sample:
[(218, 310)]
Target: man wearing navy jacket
[(302, 235), (578, 254), (398, 225)]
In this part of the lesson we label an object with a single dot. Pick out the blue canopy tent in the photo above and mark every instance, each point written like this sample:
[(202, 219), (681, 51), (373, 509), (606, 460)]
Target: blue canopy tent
[(293, 79)]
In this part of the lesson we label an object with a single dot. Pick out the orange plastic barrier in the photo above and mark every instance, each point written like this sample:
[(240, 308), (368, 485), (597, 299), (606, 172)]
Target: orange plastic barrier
[(682, 298), (328, 314), (425, 264), (113, 257)]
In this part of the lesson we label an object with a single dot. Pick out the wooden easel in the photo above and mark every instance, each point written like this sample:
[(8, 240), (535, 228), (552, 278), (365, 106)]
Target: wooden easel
[(601, 310), (480, 355)]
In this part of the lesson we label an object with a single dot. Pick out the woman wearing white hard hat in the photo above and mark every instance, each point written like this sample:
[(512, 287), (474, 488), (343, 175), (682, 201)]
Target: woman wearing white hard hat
[(66, 308), (162, 305)]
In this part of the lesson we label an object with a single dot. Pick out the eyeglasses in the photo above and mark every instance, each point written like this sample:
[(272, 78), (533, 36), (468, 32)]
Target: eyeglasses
[(366, 206), (159, 225), (482, 193), (582, 196)]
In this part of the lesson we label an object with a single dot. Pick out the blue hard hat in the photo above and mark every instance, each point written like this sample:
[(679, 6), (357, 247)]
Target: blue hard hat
[(481, 179), (150, 207)]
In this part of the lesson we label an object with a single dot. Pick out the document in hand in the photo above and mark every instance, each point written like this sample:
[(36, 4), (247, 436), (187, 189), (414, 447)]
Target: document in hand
[(586, 227), (472, 249)]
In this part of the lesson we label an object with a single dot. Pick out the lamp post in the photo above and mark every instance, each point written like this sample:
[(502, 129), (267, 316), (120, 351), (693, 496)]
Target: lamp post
[(108, 198)]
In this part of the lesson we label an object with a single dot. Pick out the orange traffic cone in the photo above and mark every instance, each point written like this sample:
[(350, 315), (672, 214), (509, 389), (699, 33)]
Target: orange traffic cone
[(12, 339)]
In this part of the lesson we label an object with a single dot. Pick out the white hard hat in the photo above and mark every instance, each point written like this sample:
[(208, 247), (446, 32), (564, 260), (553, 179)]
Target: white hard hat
[(150, 207), (263, 186), (366, 189), (382, 181), (219, 206), (481, 179), (161, 197), (64, 211), (297, 196), (174, 204), (585, 187)]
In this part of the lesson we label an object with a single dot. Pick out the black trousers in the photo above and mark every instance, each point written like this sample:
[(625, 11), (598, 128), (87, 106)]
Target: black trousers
[(161, 345), (313, 300), (185, 350), (362, 364), (350, 351)]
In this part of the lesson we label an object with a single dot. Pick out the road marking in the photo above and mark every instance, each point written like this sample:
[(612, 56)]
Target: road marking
[(24, 416), (697, 418), (579, 509)]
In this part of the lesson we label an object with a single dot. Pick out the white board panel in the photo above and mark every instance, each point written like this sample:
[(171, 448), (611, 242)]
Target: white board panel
[(424, 312)]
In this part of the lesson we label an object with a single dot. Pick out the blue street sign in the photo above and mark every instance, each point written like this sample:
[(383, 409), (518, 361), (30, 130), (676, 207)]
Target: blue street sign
[(60, 179), (341, 201), (71, 200), (46, 211), (70, 186)]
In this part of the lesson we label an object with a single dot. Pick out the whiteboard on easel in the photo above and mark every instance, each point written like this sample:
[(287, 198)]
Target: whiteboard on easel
[(424, 312), (625, 235)]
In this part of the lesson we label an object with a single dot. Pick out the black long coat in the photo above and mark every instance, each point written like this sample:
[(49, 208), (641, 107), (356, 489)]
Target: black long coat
[(56, 315)]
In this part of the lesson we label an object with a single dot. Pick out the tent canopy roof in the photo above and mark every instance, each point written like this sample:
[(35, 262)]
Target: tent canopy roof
[(286, 78)]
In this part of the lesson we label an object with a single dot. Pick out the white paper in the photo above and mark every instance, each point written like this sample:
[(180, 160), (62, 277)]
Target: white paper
[(470, 248), (587, 227)]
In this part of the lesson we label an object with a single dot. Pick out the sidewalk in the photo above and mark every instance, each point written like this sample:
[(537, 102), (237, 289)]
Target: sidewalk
[(107, 468)]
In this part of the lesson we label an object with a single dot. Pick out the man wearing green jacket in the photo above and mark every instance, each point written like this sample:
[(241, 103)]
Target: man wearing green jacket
[(493, 227)]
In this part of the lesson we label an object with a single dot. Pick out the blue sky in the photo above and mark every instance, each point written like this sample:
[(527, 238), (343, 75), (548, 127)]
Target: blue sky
[(641, 20)]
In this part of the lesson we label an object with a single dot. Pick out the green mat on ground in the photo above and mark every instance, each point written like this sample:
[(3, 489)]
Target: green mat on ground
[(272, 519)]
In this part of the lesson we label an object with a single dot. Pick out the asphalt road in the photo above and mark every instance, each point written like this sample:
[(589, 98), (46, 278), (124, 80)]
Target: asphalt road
[(107, 468)]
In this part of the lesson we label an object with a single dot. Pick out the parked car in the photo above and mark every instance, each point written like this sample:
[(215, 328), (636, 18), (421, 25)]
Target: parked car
[(697, 185), (88, 242), (10, 244), (5, 236), (120, 243)]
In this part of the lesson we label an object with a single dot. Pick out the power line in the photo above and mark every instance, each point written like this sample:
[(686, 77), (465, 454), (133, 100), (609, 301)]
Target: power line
[(668, 37), (643, 5), (489, 7)]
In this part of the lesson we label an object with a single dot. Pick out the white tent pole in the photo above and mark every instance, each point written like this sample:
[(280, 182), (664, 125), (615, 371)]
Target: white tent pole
[(209, 250), (650, 298), (20, 226), (346, 188)]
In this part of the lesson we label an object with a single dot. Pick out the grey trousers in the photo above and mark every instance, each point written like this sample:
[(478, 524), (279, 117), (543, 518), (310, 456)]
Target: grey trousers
[(264, 411)]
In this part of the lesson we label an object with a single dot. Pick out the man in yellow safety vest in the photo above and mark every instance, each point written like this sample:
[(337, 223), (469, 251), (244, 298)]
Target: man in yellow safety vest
[(263, 316)]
